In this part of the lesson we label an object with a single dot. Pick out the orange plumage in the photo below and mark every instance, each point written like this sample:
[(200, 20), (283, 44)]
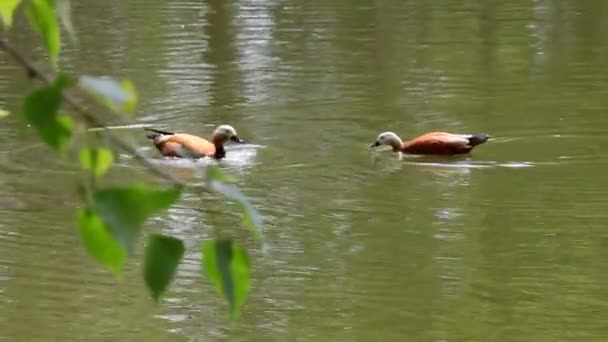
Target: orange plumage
[(184, 145), (438, 143)]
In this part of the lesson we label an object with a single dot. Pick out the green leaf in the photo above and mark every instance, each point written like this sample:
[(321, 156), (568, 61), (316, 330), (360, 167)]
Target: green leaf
[(120, 97), (98, 241), (124, 210), (163, 255), (252, 220), (227, 267), (64, 11), (43, 17), (41, 109), (7, 8), (214, 173), (4, 113), (96, 160)]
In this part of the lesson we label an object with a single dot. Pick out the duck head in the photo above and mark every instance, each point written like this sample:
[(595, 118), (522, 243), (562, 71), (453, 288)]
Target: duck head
[(226, 133), (390, 139)]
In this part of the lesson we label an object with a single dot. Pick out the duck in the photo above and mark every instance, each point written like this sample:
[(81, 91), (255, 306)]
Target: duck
[(432, 143), (183, 145)]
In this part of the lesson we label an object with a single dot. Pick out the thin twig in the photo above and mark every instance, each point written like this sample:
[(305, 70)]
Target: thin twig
[(74, 102)]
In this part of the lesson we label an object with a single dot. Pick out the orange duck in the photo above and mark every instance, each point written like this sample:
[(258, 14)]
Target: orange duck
[(183, 145), (438, 143)]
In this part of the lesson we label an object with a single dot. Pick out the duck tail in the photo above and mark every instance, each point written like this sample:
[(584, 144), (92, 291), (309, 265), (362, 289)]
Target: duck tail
[(156, 133), (478, 139)]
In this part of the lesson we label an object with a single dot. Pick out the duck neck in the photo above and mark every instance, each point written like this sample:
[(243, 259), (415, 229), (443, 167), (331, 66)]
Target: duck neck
[(220, 152), (397, 145)]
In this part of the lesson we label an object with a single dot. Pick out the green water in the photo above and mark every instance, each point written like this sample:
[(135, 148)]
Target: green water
[(509, 244)]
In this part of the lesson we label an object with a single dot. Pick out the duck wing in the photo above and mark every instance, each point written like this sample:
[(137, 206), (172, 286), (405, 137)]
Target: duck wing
[(441, 143), (185, 145), (156, 133)]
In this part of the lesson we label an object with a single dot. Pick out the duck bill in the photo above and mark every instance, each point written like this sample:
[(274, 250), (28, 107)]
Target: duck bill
[(375, 144), (236, 139)]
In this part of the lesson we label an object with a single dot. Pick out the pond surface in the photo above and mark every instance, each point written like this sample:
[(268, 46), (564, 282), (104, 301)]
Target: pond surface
[(509, 244)]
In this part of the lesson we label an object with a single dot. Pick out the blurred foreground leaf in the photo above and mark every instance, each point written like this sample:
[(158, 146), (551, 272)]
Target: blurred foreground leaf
[(7, 8), (41, 109), (96, 160), (43, 17), (163, 255), (118, 96), (214, 173), (252, 220), (227, 267), (64, 11), (98, 241), (124, 210)]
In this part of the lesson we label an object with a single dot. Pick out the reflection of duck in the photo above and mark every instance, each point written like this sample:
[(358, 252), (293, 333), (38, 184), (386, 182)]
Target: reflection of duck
[(447, 171), (190, 146), (440, 143)]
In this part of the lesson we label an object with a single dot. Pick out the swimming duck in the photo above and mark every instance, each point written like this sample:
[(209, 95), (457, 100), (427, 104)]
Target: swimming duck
[(184, 145), (440, 143)]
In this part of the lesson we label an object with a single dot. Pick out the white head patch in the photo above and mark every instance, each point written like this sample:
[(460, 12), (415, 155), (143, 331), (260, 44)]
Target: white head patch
[(386, 137), (227, 130)]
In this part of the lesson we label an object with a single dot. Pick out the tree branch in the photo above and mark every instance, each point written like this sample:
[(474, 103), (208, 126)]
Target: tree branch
[(34, 72)]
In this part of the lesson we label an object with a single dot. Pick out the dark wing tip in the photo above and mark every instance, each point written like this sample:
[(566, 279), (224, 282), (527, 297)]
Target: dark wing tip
[(158, 131), (478, 139)]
